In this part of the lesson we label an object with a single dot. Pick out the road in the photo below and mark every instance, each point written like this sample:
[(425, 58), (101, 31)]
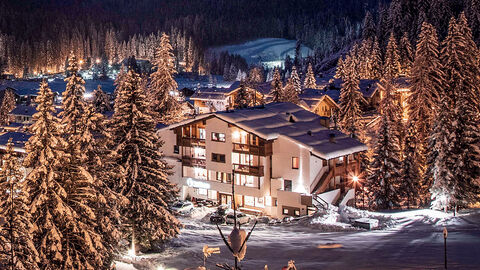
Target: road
[(414, 243)]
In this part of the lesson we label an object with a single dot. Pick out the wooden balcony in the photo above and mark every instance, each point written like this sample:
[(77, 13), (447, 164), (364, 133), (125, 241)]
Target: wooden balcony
[(192, 142), (256, 150), (193, 162), (248, 170)]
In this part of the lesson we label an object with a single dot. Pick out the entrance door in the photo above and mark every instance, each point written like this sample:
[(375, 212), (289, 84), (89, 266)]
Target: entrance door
[(225, 199)]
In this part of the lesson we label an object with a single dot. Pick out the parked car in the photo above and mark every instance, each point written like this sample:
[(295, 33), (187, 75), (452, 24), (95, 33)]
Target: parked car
[(241, 218), (219, 216), (182, 207)]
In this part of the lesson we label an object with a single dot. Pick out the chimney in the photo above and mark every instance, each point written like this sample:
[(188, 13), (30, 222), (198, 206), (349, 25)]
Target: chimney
[(309, 133), (332, 137)]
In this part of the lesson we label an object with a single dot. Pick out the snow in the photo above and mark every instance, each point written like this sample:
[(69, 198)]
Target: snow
[(269, 51), (408, 239)]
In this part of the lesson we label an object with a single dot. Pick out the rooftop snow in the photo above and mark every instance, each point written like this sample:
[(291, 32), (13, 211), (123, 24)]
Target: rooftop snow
[(18, 138), (24, 110), (290, 121)]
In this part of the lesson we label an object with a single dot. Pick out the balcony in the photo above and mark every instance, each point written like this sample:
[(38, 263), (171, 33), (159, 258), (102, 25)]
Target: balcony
[(193, 162), (252, 149), (191, 142), (248, 170)]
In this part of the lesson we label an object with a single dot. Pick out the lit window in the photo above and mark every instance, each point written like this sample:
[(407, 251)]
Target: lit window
[(201, 133), (218, 137), (297, 212), (285, 211), (249, 200), (202, 191), (295, 162)]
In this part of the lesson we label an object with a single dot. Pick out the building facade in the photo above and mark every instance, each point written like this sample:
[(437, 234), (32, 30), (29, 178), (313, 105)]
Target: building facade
[(277, 157)]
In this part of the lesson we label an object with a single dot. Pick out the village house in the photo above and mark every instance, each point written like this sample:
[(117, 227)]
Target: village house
[(281, 157)]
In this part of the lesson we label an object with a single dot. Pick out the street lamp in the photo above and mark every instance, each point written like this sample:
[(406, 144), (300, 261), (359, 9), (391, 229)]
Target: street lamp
[(355, 181)]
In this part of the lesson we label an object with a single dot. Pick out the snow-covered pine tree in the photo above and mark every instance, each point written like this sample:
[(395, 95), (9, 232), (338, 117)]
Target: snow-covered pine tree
[(340, 71), (101, 102), (243, 98), (277, 87), (426, 85), (290, 93), (365, 61), (369, 29), (255, 77), (106, 175), (410, 174), (64, 238), (383, 181), (17, 249), (439, 178), (376, 58), (295, 79), (8, 104), (406, 55), (189, 57), (350, 101), (310, 81), (163, 87), (461, 72), (391, 64), (134, 139)]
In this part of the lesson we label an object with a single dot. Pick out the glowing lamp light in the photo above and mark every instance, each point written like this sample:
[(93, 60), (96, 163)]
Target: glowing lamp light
[(81, 62), (97, 61), (355, 178), (236, 135)]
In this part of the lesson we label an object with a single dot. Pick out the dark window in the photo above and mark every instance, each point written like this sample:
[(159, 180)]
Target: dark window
[(287, 185), (295, 162), (218, 137), (218, 158), (176, 149)]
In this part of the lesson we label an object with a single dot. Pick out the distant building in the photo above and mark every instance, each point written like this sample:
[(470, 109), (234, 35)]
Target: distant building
[(22, 114), (279, 157)]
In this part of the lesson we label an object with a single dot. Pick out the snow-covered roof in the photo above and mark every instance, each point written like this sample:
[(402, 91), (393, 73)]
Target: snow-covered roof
[(208, 96), (290, 121), (18, 138)]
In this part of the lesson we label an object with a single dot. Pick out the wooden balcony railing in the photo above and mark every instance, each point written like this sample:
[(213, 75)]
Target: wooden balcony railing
[(253, 149), (193, 162), (248, 170), (189, 142)]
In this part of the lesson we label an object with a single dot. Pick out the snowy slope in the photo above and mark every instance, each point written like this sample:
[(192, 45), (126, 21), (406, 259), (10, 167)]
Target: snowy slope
[(268, 51)]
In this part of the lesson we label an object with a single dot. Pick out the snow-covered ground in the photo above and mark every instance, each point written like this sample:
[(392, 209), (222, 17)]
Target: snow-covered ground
[(268, 51), (406, 240)]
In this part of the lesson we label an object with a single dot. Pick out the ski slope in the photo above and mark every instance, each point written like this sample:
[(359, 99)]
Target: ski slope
[(267, 51)]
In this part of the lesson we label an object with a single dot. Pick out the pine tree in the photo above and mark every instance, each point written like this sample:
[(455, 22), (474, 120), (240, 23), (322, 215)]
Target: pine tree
[(290, 93), (440, 179), (376, 59), (310, 81), (163, 87), (243, 98), (410, 172), (391, 65), (426, 85), (461, 70), (340, 71), (296, 82), (383, 181), (7, 105), (350, 102), (145, 185), (406, 55), (277, 87), (369, 29), (65, 238), (17, 249), (101, 101)]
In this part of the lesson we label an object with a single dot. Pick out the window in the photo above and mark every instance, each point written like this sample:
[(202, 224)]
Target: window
[(285, 211), (218, 158), (297, 213), (287, 185), (202, 191), (218, 137), (201, 133), (249, 200), (295, 162), (176, 149)]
